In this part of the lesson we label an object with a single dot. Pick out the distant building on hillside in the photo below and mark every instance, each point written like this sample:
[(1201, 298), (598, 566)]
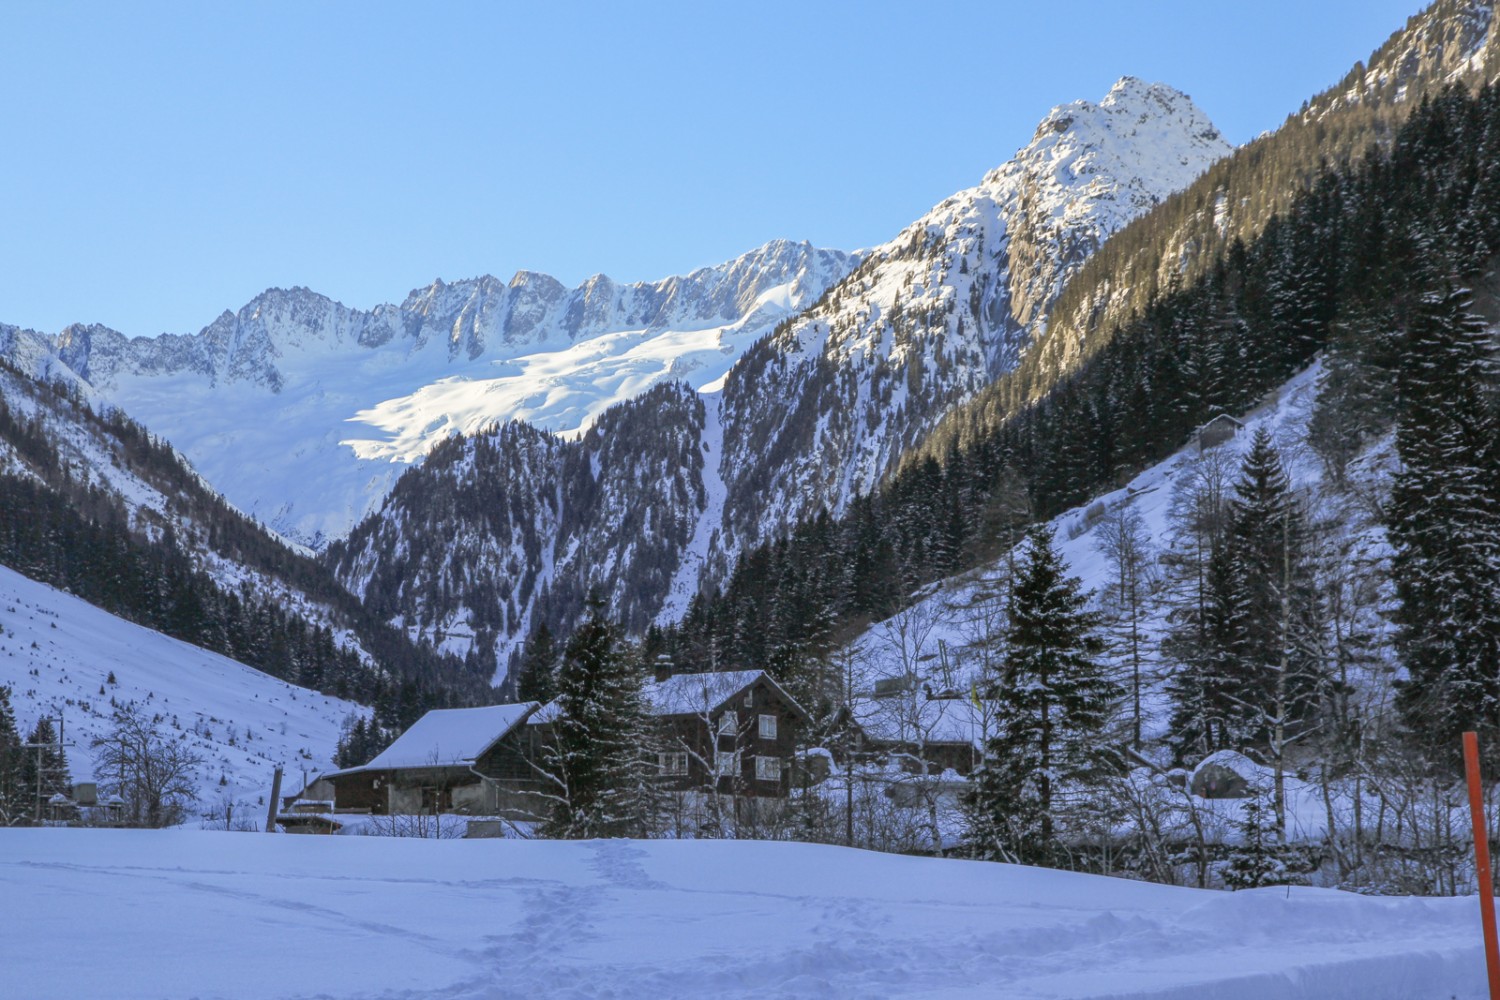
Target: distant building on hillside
[(924, 735), (1217, 431)]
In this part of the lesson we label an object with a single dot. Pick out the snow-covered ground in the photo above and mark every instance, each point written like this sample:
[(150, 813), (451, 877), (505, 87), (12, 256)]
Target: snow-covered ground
[(936, 637), (218, 915), (58, 652)]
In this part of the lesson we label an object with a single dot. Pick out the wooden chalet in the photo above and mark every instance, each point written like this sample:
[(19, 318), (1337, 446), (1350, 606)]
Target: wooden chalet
[(731, 732), (442, 764)]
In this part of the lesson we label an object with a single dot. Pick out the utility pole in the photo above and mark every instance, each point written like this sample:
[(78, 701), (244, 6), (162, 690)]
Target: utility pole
[(39, 747)]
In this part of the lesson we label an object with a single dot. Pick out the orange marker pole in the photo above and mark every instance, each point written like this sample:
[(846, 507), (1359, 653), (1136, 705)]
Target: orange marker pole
[(1482, 862)]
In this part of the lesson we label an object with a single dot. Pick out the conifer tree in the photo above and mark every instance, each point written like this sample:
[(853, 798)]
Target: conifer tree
[(602, 754), (1281, 676), (1209, 644), (538, 675), (1053, 700), (1261, 857), (1252, 668), (15, 797), (1444, 522), (44, 754)]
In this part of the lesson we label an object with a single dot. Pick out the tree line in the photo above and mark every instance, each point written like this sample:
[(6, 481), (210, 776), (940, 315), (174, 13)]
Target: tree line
[(64, 528)]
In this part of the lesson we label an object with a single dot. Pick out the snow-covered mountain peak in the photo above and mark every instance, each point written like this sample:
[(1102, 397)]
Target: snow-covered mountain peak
[(1089, 169), (939, 312), (296, 406), (1142, 136)]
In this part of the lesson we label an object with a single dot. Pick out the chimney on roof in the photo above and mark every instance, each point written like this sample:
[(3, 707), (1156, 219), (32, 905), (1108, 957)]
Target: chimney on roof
[(663, 668)]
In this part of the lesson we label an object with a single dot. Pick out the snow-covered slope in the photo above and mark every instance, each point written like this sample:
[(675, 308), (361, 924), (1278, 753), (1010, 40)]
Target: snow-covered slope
[(942, 633), (303, 411), (823, 409), (159, 494), (57, 654), (813, 413), (360, 917)]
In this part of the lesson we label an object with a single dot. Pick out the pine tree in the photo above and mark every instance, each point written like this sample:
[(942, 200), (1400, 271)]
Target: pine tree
[(15, 797), (1281, 676), (1207, 639), (47, 757), (537, 680), (1356, 389), (1261, 857), (602, 753), (1252, 670), (1053, 700), (1444, 522)]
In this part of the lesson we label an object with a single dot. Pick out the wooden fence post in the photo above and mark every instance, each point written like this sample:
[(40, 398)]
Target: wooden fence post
[(275, 801)]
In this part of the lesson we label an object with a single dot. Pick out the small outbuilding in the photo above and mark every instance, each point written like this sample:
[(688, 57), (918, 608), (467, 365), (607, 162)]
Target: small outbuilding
[(925, 735), (1217, 431)]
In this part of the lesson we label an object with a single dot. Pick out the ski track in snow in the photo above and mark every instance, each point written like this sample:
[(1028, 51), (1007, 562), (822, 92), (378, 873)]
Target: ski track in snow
[(188, 913)]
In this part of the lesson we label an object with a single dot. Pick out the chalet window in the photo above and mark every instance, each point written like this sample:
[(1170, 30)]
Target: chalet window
[(729, 724), (768, 727), (767, 768), (750, 698), (727, 763), (672, 763)]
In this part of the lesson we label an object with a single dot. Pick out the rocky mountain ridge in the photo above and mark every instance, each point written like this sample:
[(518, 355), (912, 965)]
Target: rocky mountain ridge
[(950, 304), (811, 415), (303, 411)]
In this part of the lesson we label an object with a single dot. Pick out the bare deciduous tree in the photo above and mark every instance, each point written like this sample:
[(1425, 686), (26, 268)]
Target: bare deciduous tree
[(149, 770)]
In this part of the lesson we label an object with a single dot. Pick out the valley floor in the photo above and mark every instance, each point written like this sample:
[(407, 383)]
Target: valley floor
[(198, 914)]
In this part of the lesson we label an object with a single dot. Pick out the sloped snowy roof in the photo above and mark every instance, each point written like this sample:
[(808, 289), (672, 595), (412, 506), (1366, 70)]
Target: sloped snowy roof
[(449, 736), (921, 720), (685, 694), (547, 713)]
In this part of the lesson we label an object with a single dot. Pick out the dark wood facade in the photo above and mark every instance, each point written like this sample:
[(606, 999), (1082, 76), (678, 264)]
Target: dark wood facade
[(742, 741), (744, 745), (409, 791)]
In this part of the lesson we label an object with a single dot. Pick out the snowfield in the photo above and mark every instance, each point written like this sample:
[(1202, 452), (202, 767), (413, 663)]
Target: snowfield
[(197, 914), (57, 654)]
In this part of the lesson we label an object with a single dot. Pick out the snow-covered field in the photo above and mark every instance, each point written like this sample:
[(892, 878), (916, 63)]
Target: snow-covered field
[(94, 913), (57, 654)]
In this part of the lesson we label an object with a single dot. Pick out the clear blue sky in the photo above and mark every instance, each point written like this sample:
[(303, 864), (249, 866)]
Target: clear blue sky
[(164, 162)]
